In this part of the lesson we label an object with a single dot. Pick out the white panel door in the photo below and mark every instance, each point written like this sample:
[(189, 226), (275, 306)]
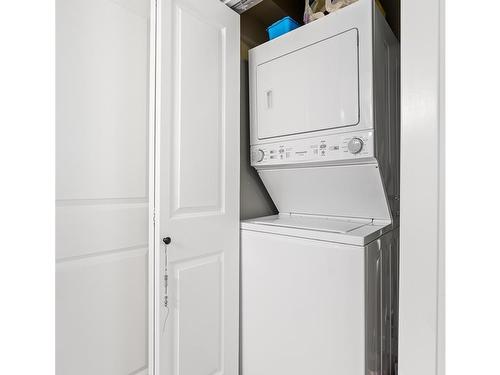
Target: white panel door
[(313, 88), (102, 187), (197, 188)]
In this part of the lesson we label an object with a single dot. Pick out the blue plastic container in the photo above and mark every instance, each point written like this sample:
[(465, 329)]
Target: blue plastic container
[(281, 27)]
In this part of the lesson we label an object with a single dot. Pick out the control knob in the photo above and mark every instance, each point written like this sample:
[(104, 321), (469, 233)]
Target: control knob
[(258, 156), (355, 145)]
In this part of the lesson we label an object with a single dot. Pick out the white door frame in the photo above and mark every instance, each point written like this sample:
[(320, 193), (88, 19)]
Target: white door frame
[(421, 319), (152, 254)]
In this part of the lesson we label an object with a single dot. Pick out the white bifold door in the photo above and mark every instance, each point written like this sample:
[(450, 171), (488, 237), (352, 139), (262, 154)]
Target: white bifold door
[(102, 191), (197, 189)]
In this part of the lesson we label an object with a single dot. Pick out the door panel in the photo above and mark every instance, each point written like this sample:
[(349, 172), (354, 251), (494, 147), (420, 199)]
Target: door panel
[(102, 96), (97, 297), (308, 89), (200, 284), (197, 190), (198, 113)]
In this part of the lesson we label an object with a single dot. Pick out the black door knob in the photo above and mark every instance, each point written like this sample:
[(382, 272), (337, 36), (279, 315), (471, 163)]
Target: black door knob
[(167, 240)]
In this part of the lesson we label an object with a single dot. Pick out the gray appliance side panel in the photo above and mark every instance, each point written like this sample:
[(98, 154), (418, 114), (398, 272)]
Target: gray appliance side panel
[(386, 96), (381, 304), (373, 348), (394, 317)]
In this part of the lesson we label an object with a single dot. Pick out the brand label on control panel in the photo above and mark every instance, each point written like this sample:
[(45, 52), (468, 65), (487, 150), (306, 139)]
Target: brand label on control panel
[(317, 149)]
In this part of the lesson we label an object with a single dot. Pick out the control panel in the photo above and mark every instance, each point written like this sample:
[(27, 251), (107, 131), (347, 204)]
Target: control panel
[(337, 147)]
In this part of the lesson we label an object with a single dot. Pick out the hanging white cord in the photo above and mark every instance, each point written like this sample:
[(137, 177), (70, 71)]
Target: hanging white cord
[(165, 280)]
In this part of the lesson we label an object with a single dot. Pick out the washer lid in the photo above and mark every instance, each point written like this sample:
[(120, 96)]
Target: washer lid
[(313, 223), (358, 232)]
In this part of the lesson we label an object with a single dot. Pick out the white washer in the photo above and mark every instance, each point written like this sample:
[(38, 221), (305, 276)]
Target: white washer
[(316, 296)]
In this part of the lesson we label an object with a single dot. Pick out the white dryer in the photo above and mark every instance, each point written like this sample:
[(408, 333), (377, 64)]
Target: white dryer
[(319, 280), (327, 94)]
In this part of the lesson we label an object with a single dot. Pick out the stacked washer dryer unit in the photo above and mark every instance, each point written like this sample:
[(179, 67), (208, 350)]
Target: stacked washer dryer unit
[(319, 280)]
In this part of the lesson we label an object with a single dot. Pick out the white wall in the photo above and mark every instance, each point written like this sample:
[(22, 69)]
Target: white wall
[(101, 186), (421, 317)]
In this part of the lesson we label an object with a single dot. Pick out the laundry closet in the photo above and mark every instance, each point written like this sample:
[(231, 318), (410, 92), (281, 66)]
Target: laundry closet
[(239, 214), (308, 281)]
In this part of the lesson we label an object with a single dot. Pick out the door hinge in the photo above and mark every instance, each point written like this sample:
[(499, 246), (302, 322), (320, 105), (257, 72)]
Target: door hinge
[(154, 217)]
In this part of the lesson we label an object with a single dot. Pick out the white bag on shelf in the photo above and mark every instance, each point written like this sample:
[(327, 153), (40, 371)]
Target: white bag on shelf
[(319, 8)]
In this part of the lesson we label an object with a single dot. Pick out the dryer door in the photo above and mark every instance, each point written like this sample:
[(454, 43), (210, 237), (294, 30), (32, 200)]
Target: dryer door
[(310, 89)]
